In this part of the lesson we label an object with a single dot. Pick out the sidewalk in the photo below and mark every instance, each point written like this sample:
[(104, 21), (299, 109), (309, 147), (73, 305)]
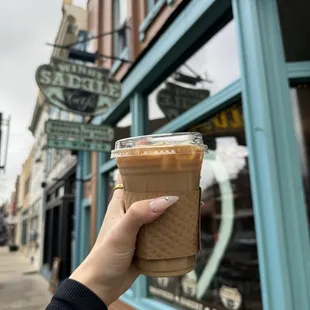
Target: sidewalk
[(20, 287)]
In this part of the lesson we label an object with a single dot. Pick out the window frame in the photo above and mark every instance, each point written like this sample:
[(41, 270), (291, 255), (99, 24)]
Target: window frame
[(117, 52), (153, 10)]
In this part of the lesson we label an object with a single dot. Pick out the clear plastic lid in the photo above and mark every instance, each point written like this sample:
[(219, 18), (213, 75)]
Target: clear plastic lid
[(170, 143)]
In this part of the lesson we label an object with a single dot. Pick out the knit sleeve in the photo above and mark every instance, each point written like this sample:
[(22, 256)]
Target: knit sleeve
[(72, 295)]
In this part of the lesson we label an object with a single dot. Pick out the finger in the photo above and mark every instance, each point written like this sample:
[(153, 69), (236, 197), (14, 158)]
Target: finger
[(117, 200), (119, 179), (115, 210), (123, 235)]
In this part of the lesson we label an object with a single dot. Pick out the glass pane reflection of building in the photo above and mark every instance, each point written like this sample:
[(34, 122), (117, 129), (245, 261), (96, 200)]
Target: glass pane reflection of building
[(226, 275), (300, 96), (213, 67)]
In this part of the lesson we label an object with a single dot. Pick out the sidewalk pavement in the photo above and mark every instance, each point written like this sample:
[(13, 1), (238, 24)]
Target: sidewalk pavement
[(21, 287)]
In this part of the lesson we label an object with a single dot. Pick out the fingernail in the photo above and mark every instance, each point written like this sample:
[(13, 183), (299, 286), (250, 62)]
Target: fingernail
[(160, 204), (202, 203)]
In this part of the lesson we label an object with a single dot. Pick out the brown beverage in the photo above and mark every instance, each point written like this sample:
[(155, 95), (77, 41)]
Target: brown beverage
[(162, 165)]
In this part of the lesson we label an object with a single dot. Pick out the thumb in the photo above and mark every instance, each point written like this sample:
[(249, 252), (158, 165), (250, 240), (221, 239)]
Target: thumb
[(140, 213)]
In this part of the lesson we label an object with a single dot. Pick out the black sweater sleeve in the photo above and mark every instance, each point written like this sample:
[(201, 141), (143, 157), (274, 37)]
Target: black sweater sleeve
[(72, 295)]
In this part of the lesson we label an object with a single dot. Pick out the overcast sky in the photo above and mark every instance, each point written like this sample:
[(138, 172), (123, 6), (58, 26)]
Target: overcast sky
[(25, 27)]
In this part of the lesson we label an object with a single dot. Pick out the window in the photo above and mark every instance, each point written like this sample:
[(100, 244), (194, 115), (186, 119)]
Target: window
[(213, 67), (301, 112), (227, 224), (48, 161), (27, 186), (120, 12), (294, 20)]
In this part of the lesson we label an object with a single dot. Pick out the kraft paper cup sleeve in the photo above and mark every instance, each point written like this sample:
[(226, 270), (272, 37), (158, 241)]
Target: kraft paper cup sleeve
[(176, 233)]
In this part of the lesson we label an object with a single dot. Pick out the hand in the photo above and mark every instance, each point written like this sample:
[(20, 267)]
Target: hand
[(108, 270)]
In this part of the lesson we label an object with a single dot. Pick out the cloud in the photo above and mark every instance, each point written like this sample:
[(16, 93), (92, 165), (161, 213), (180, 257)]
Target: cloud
[(25, 28)]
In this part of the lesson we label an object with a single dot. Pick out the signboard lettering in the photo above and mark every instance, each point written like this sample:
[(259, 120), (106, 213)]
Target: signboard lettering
[(53, 142), (229, 119), (78, 88), (79, 130)]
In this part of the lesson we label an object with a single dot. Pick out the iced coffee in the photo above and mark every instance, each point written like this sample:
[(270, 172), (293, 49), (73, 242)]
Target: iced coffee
[(164, 165)]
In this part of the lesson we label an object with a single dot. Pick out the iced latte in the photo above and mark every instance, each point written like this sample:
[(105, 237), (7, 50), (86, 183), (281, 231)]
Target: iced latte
[(164, 165)]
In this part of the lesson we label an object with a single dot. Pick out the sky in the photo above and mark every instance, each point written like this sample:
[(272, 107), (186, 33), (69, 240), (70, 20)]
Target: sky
[(24, 31), (25, 28)]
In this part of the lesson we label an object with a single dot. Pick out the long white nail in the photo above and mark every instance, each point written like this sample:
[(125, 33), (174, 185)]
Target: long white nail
[(160, 204)]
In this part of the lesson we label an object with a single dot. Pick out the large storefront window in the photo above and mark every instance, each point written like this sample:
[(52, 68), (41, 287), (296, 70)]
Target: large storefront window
[(226, 275), (295, 26), (213, 67), (301, 113)]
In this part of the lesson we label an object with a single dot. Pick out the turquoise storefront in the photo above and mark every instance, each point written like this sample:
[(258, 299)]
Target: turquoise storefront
[(248, 71)]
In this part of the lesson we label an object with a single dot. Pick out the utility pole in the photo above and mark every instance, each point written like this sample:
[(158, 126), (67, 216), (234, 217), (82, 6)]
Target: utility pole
[(7, 123)]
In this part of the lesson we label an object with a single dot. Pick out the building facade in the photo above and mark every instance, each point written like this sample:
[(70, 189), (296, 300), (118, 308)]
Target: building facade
[(40, 115), (60, 165), (23, 209), (238, 72)]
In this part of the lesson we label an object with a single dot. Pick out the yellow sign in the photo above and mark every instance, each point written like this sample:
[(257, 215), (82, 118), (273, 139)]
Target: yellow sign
[(226, 120)]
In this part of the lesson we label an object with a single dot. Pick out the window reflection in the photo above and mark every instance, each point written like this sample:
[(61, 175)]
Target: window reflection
[(226, 274), (213, 67), (294, 20), (120, 16), (301, 112)]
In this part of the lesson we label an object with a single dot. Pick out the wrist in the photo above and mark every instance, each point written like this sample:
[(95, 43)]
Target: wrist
[(85, 277)]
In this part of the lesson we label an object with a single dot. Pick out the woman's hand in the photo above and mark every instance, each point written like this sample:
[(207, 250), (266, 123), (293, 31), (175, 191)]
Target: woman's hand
[(108, 270)]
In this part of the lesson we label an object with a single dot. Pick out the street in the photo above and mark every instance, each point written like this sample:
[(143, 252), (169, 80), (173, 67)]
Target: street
[(20, 286)]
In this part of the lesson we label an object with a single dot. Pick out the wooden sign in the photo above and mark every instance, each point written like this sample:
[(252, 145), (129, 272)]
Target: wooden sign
[(77, 87), (55, 274)]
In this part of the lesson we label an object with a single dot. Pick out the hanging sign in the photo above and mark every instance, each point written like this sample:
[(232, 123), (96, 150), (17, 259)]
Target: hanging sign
[(175, 99), (78, 88), (79, 131), (88, 146)]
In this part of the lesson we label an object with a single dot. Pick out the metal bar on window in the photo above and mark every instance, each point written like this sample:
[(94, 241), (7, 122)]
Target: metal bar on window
[(108, 166), (138, 108), (298, 70)]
